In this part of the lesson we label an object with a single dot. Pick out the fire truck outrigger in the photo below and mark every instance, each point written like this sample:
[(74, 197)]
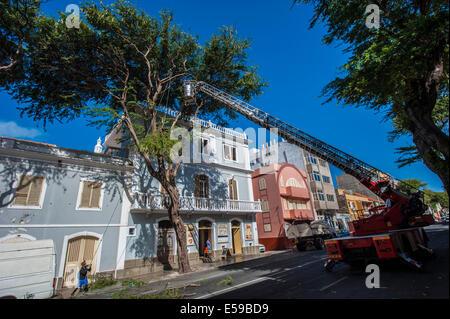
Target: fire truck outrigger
[(392, 231)]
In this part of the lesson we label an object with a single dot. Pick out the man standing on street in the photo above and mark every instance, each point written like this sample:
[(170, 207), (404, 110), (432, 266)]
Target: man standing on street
[(82, 276)]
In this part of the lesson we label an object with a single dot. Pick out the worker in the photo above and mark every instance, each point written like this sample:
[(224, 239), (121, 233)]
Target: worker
[(82, 277), (208, 248), (415, 205)]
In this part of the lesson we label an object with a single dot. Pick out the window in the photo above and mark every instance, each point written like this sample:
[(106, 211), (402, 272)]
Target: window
[(316, 176), (330, 198), (320, 195), (265, 206), (267, 227), (91, 195), (132, 231), (262, 184), (326, 179), (229, 152), (202, 186), (291, 205), (311, 159), (297, 204), (29, 191), (293, 183), (203, 147), (232, 189), (322, 163)]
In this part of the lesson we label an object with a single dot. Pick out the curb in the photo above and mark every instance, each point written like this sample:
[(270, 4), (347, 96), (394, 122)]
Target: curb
[(115, 288)]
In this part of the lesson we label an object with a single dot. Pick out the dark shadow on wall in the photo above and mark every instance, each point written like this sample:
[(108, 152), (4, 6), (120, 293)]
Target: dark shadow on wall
[(143, 243)]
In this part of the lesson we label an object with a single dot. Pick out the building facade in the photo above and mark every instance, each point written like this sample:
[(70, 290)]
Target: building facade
[(354, 205), (216, 196), (285, 200), (320, 182), (109, 211), (73, 197), (347, 181)]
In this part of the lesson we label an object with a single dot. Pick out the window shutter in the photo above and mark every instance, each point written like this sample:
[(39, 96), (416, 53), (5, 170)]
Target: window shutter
[(233, 189), (207, 186), (95, 196), (35, 191), (29, 191), (197, 186), (234, 153), (21, 195), (85, 195)]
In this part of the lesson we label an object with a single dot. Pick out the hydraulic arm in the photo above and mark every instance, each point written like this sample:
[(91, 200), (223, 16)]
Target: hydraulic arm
[(377, 181)]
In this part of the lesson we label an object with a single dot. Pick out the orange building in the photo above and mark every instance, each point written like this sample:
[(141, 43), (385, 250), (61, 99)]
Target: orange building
[(355, 204), (284, 195)]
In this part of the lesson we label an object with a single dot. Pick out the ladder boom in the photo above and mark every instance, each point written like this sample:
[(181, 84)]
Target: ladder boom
[(334, 156)]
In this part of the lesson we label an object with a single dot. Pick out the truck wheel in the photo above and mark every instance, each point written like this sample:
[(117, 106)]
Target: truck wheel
[(319, 244), (329, 265)]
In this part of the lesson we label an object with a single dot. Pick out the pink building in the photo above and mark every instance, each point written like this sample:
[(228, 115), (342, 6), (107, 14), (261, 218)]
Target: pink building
[(284, 195)]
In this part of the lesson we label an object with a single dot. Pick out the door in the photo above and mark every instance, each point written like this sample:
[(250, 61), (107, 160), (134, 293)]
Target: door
[(79, 249), (204, 233), (166, 240), (232, 191), (237, 238)]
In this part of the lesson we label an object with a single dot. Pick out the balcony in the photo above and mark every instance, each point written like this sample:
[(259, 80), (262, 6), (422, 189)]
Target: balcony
[(149, 202), (303, 214), (294, 192)]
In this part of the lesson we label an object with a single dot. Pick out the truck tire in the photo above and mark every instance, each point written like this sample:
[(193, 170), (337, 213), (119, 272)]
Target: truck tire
[(301, 247), (319, 244)]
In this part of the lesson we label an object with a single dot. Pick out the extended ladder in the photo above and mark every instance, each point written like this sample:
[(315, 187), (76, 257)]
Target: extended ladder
[(340, 159)]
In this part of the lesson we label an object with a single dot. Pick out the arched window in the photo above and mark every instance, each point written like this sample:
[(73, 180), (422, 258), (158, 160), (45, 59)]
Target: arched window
[(294, 183)]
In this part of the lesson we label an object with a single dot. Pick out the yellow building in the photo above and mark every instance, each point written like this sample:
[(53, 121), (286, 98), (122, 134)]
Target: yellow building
[(355, 204)]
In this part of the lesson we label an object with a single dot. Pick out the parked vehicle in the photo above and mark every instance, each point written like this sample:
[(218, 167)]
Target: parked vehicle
[(262, 248), (27, 269), (310, 234)]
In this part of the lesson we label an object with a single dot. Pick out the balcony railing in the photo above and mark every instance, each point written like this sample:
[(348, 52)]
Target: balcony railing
[(159, 202)]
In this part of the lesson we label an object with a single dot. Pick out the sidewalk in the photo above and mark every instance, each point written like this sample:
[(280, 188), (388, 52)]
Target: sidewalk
[(160, 281)]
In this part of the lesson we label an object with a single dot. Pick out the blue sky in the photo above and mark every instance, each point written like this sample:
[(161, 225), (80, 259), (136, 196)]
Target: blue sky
[(291, 58)]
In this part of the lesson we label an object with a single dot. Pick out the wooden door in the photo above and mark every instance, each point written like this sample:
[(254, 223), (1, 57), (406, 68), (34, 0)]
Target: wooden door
[(79, 249), (166, 240), (237, 241)]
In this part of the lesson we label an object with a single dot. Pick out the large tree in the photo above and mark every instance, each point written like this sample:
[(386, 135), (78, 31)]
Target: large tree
[(400, 68), (119, 67)]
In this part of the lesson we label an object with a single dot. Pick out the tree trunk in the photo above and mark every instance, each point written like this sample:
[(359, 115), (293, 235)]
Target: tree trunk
[(167, 179), (180, 230), (428, 138)]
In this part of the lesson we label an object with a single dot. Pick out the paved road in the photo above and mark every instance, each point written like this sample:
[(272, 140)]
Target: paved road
[(294, 275)]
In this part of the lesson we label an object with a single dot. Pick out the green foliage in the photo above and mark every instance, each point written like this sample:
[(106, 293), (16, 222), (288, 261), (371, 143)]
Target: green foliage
[(400, 69), (411, 185), (18, 19), (167, 294), (226, 282), (431, 198), (133, 283), (100, 281)]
